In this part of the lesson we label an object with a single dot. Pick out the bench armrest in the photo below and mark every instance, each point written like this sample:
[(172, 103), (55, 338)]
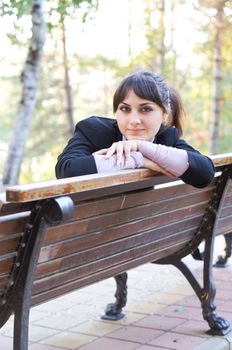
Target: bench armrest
[(52, 188)]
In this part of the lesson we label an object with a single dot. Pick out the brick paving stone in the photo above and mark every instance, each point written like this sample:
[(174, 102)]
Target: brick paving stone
[(7, 329), (182, 311), (36, 315), (59, 321), (159, 322), (44, 347), (143, 307), (161, 298), (68, 340), (224, 294), (226, 285), (6, 343), (135, 334), (79, 297), (110, 344), (53, 306), (222, 274), (214, 343), (177, 341), (37, 333), (185, 289), (86, 311), (192, 327), (150, 347), (96, 328), (129, 318), (224, 305), (191, 300)]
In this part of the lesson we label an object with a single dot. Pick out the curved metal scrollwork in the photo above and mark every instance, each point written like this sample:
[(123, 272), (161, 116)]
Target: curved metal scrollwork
[(17, 294)]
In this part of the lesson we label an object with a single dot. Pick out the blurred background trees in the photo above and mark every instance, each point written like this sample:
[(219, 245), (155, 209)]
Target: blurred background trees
[(89, 47)]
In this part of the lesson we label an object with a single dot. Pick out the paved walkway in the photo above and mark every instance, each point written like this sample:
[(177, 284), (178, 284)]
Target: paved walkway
[(162, 313)]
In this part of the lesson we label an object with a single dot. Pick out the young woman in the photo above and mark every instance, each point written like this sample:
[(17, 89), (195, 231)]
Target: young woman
[(145, 134)]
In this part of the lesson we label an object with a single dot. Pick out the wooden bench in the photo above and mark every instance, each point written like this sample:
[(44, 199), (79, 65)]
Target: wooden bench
[(60, 235)]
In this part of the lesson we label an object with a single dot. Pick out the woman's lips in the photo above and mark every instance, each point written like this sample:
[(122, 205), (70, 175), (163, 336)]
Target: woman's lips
[(135, 130)]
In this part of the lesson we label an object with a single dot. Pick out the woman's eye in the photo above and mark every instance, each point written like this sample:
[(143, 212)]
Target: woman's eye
[(124, 109), (146, 109)]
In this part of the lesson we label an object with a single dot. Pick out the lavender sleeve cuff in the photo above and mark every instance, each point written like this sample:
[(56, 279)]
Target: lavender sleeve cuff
[(104, 165), (174, 160)]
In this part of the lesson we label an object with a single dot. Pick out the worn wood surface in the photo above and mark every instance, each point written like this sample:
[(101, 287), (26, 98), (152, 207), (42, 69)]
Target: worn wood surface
[(46, 189), (111, 235)]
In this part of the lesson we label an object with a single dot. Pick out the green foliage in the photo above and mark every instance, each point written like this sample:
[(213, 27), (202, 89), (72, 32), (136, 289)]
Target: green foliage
[(67, 8), (94, 79), (15, 7)]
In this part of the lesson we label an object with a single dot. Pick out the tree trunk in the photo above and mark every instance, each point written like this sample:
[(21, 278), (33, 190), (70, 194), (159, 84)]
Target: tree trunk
[(162, 36), (30, 78), (129, 30), (172, 48), (67, 85), (217, 94)]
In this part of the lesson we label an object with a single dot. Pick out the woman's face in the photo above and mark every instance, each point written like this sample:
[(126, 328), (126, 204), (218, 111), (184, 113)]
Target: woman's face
[(138, 119)]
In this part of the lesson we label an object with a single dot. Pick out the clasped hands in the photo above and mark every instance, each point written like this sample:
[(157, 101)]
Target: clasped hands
[(122, 150)]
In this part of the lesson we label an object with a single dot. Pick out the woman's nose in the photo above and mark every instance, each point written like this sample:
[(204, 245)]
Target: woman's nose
[(135, 118)]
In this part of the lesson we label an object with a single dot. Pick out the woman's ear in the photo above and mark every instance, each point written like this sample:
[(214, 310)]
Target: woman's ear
[(165, 118)]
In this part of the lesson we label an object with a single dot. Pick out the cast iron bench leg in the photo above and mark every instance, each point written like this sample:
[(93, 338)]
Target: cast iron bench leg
[(218, 325), (21, 322), (113, 311)]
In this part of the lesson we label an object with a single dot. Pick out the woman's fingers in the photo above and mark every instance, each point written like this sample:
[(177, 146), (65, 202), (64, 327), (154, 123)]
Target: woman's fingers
[(127, 151), (116, 148), (119, 153), (101, 151), (111, 151), (122, 148)]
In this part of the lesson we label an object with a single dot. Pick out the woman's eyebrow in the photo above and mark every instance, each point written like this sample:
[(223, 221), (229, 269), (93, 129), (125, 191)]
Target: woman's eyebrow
[(125, 103), (141, 104)]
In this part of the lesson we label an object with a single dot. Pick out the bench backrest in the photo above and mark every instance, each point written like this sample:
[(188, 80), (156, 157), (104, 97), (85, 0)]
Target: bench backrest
[(119, 222)]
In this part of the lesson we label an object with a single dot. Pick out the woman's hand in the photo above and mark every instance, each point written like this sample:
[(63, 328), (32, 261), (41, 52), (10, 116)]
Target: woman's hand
[(121, 148)]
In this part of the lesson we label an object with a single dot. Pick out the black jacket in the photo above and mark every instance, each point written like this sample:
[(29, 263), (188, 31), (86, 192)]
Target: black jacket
[(95, 133)]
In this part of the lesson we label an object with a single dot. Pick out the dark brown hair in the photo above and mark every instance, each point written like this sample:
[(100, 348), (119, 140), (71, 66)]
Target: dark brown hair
[(151, 86)]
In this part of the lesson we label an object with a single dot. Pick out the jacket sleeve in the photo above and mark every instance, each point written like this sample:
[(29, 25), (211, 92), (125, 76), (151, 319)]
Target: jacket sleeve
[(90, 135), (76, 158), (201, 168)]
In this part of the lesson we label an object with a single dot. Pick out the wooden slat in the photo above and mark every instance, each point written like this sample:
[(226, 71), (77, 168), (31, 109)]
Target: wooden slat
[(153, 214), (83, 242), (155, 223), (222, 159), (9, 208), (114, 257), (113, 271), (46, 189), (84, 256), (9, 246), (127, 200), (97, 222), (12, 226), (224, 225), (6, 263)]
